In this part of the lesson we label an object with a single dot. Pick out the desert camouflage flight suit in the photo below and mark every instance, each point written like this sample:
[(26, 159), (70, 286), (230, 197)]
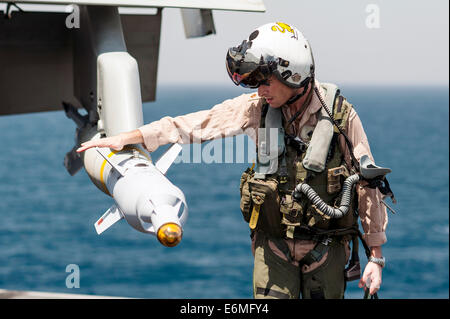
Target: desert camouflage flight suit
[(278, 274)]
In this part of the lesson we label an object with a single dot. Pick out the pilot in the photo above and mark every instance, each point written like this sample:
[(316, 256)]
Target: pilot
[(299, 252)]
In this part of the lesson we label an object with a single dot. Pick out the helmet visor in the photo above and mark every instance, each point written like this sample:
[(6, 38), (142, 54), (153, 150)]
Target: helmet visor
[(246, 74)]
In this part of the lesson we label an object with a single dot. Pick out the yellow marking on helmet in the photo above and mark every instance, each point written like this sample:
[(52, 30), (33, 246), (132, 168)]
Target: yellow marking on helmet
[(282, 27)]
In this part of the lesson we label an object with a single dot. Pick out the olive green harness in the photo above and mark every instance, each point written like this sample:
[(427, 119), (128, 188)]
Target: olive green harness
[(267, 203)]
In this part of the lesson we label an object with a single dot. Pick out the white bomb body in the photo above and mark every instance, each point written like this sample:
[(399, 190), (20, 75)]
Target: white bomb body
[(144, 196)]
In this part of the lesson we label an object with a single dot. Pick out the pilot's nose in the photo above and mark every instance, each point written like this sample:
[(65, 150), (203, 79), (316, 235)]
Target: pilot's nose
[(262, 90)]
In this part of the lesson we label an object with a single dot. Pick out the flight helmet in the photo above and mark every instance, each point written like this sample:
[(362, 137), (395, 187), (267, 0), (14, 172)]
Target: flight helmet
[(274, 48)]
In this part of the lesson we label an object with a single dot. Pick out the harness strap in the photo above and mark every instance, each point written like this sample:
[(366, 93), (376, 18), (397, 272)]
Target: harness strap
[(283, 246), (317, 253), (383, 186), (304, 106), (353, 271), (347, 140)]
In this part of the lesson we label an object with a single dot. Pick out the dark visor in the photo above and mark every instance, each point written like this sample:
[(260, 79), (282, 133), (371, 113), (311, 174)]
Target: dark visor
[(246, 74)]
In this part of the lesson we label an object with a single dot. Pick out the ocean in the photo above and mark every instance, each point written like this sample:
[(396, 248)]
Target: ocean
[(47, 216)]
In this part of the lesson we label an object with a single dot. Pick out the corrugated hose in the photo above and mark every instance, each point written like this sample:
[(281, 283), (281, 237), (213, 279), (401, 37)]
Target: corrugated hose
[(324, 207)]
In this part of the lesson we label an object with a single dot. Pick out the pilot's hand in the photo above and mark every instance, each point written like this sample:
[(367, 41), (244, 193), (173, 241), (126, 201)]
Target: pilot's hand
[(115, 142), (371, 278)]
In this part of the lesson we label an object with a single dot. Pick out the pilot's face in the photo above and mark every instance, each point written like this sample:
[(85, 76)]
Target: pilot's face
[(275, 92)]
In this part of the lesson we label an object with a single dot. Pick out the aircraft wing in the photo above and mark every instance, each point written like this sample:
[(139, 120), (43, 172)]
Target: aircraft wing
[(43, 62), (238, 5)]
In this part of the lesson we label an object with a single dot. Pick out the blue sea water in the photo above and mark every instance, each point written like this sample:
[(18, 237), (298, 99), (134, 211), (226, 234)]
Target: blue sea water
[(47, 216)]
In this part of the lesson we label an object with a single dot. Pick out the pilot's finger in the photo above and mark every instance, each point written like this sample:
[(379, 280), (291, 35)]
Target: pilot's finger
[(373, 290), (86, 145), (363, 280), (82, 149), (375, 286)]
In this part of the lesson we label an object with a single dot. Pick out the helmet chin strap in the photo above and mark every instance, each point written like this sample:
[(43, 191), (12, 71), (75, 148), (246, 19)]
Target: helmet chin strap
[(298, 96)]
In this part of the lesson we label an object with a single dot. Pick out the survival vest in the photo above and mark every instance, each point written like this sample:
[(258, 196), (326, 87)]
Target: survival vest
[(267, 203)]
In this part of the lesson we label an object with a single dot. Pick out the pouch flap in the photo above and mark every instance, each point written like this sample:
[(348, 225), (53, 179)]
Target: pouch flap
[(258, 197)]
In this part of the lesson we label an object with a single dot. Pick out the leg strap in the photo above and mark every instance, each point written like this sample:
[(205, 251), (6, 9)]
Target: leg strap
[(317, 253), (283, 246)]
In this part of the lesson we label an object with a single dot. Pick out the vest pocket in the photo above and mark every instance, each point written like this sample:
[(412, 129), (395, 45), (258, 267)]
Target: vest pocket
[(265, 202), (334, 179), (245, 203), (292, 211)]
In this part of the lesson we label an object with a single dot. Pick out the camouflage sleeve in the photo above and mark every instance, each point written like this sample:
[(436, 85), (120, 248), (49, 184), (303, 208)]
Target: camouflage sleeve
[(232, 117), (372, 213)]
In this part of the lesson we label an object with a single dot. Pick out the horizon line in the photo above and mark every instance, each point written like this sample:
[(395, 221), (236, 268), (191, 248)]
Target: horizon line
[(362, 84)]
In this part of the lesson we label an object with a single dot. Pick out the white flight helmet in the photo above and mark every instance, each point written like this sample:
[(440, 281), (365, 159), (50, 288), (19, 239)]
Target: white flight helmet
[(274, 48)]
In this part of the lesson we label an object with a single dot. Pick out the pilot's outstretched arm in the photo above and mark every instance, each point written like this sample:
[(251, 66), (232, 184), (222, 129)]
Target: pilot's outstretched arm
[(229, 118), (232, 117)]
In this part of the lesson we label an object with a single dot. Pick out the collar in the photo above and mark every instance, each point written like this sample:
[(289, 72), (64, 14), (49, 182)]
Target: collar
[(312, 108)]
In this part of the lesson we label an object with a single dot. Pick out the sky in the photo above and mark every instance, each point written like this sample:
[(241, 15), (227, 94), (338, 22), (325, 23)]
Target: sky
[(375, 42), (358, 42)]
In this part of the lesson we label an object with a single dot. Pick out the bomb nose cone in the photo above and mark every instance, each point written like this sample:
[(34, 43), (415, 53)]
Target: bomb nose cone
[(170, 234)]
